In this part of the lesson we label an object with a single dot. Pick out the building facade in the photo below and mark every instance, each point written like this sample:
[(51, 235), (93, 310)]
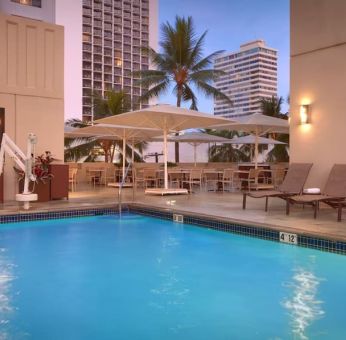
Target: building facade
[(31, 88), (113, 33), (318, 76), (103, 40), (249, 75)]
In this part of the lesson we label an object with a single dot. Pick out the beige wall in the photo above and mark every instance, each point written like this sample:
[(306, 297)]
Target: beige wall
[(318, 78), (31, 86)]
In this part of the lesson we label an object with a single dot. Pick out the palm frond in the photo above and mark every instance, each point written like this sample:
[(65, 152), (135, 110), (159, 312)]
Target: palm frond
[(211, 91)]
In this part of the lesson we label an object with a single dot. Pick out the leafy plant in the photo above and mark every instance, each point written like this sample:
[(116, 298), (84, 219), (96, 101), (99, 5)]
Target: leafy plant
[(40, 168)]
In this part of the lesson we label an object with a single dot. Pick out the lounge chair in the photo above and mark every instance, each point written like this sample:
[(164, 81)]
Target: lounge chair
[(292, 185), (334, 193)]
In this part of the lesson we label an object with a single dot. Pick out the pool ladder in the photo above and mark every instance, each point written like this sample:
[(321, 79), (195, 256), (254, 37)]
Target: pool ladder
[(120, 190)]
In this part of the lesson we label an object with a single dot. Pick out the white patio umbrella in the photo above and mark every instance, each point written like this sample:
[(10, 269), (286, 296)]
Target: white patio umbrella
[(195, 139), (251, 139), (258, 124), (114, 132), (168, 119)]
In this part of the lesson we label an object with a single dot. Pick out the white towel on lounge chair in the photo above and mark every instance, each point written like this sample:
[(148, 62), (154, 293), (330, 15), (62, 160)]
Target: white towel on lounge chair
[(313, 191)]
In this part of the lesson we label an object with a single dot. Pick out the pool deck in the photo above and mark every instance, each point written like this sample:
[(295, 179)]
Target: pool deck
[(225, 206)]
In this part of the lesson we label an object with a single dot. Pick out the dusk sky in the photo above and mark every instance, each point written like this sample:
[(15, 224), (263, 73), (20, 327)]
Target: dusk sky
[(231, 23)]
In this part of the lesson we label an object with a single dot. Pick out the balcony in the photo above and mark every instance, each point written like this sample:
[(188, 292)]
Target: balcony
[(117, 37), (127, 48), (108, 26), (108, 60), (87, 29), (108, 17), (108, 69), (87, 12), (98, 6), (107, 52), (87, 56), (98, 85), (108, 77), (98, 15), (97, 68), (108, 43), (86, 47), (86, 20), (87, 3), (136, 42), (86, 83), (107, 9), (97, 32), (117, 4), (98, 23), (86, 75), (86, 65), (97, 49)]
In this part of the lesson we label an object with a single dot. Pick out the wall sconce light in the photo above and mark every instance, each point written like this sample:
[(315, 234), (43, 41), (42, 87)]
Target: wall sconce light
[(305, 114)]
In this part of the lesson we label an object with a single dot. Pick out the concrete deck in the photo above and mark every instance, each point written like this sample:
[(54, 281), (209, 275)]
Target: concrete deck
[(223, 205)]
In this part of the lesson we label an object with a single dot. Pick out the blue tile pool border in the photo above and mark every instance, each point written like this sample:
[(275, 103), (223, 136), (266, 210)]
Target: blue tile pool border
[(307, 241), (50, 215)]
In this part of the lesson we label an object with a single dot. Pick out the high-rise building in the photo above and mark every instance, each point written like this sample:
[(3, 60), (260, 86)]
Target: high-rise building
[(113, 33), (103, 40), (249, 75)]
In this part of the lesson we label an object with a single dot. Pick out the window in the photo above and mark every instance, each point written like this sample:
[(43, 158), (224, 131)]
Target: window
[(34, 3)]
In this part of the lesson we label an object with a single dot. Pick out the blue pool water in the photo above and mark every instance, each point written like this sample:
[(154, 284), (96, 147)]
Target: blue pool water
[(142, 278)]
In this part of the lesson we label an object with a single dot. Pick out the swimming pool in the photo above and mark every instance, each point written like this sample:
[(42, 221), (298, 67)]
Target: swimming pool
[(137, 277)]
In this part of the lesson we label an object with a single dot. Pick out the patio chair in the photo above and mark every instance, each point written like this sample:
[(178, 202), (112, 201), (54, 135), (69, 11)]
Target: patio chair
[(293, 184), (211, 179), (278, 176), (194, 179), (149, 178), (138, 178), (334, 193), (230, 180), (72, 178), (257, 180)]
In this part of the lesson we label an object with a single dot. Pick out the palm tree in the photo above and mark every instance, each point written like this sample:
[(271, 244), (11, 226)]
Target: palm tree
[(227, 152), (272, 107), (180, 63), (112, 103)]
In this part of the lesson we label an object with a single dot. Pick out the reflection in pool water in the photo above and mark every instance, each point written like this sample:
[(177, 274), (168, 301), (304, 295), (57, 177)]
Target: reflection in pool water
[(304, 306), (6, 278)]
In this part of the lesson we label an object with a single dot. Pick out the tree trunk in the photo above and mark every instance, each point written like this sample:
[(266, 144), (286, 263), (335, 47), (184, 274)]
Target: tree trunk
[(176, 144)]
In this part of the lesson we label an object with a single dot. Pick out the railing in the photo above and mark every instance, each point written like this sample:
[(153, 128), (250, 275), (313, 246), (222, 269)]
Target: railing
[(121, 184)]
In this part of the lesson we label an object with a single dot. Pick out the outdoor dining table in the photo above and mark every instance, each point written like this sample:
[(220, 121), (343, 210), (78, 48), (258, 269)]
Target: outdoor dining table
[(219, 176), (180, 175), (97, 173)]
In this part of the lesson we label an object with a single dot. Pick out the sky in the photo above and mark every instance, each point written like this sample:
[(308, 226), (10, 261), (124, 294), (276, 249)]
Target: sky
[(231, 23)]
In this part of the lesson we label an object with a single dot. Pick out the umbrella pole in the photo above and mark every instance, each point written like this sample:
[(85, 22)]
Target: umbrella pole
[(165, 157), (124, 157), (194, 153), (256, 148)]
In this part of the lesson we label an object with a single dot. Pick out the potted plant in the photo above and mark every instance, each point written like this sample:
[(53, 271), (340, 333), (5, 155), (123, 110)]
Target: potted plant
[(40, 169)]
